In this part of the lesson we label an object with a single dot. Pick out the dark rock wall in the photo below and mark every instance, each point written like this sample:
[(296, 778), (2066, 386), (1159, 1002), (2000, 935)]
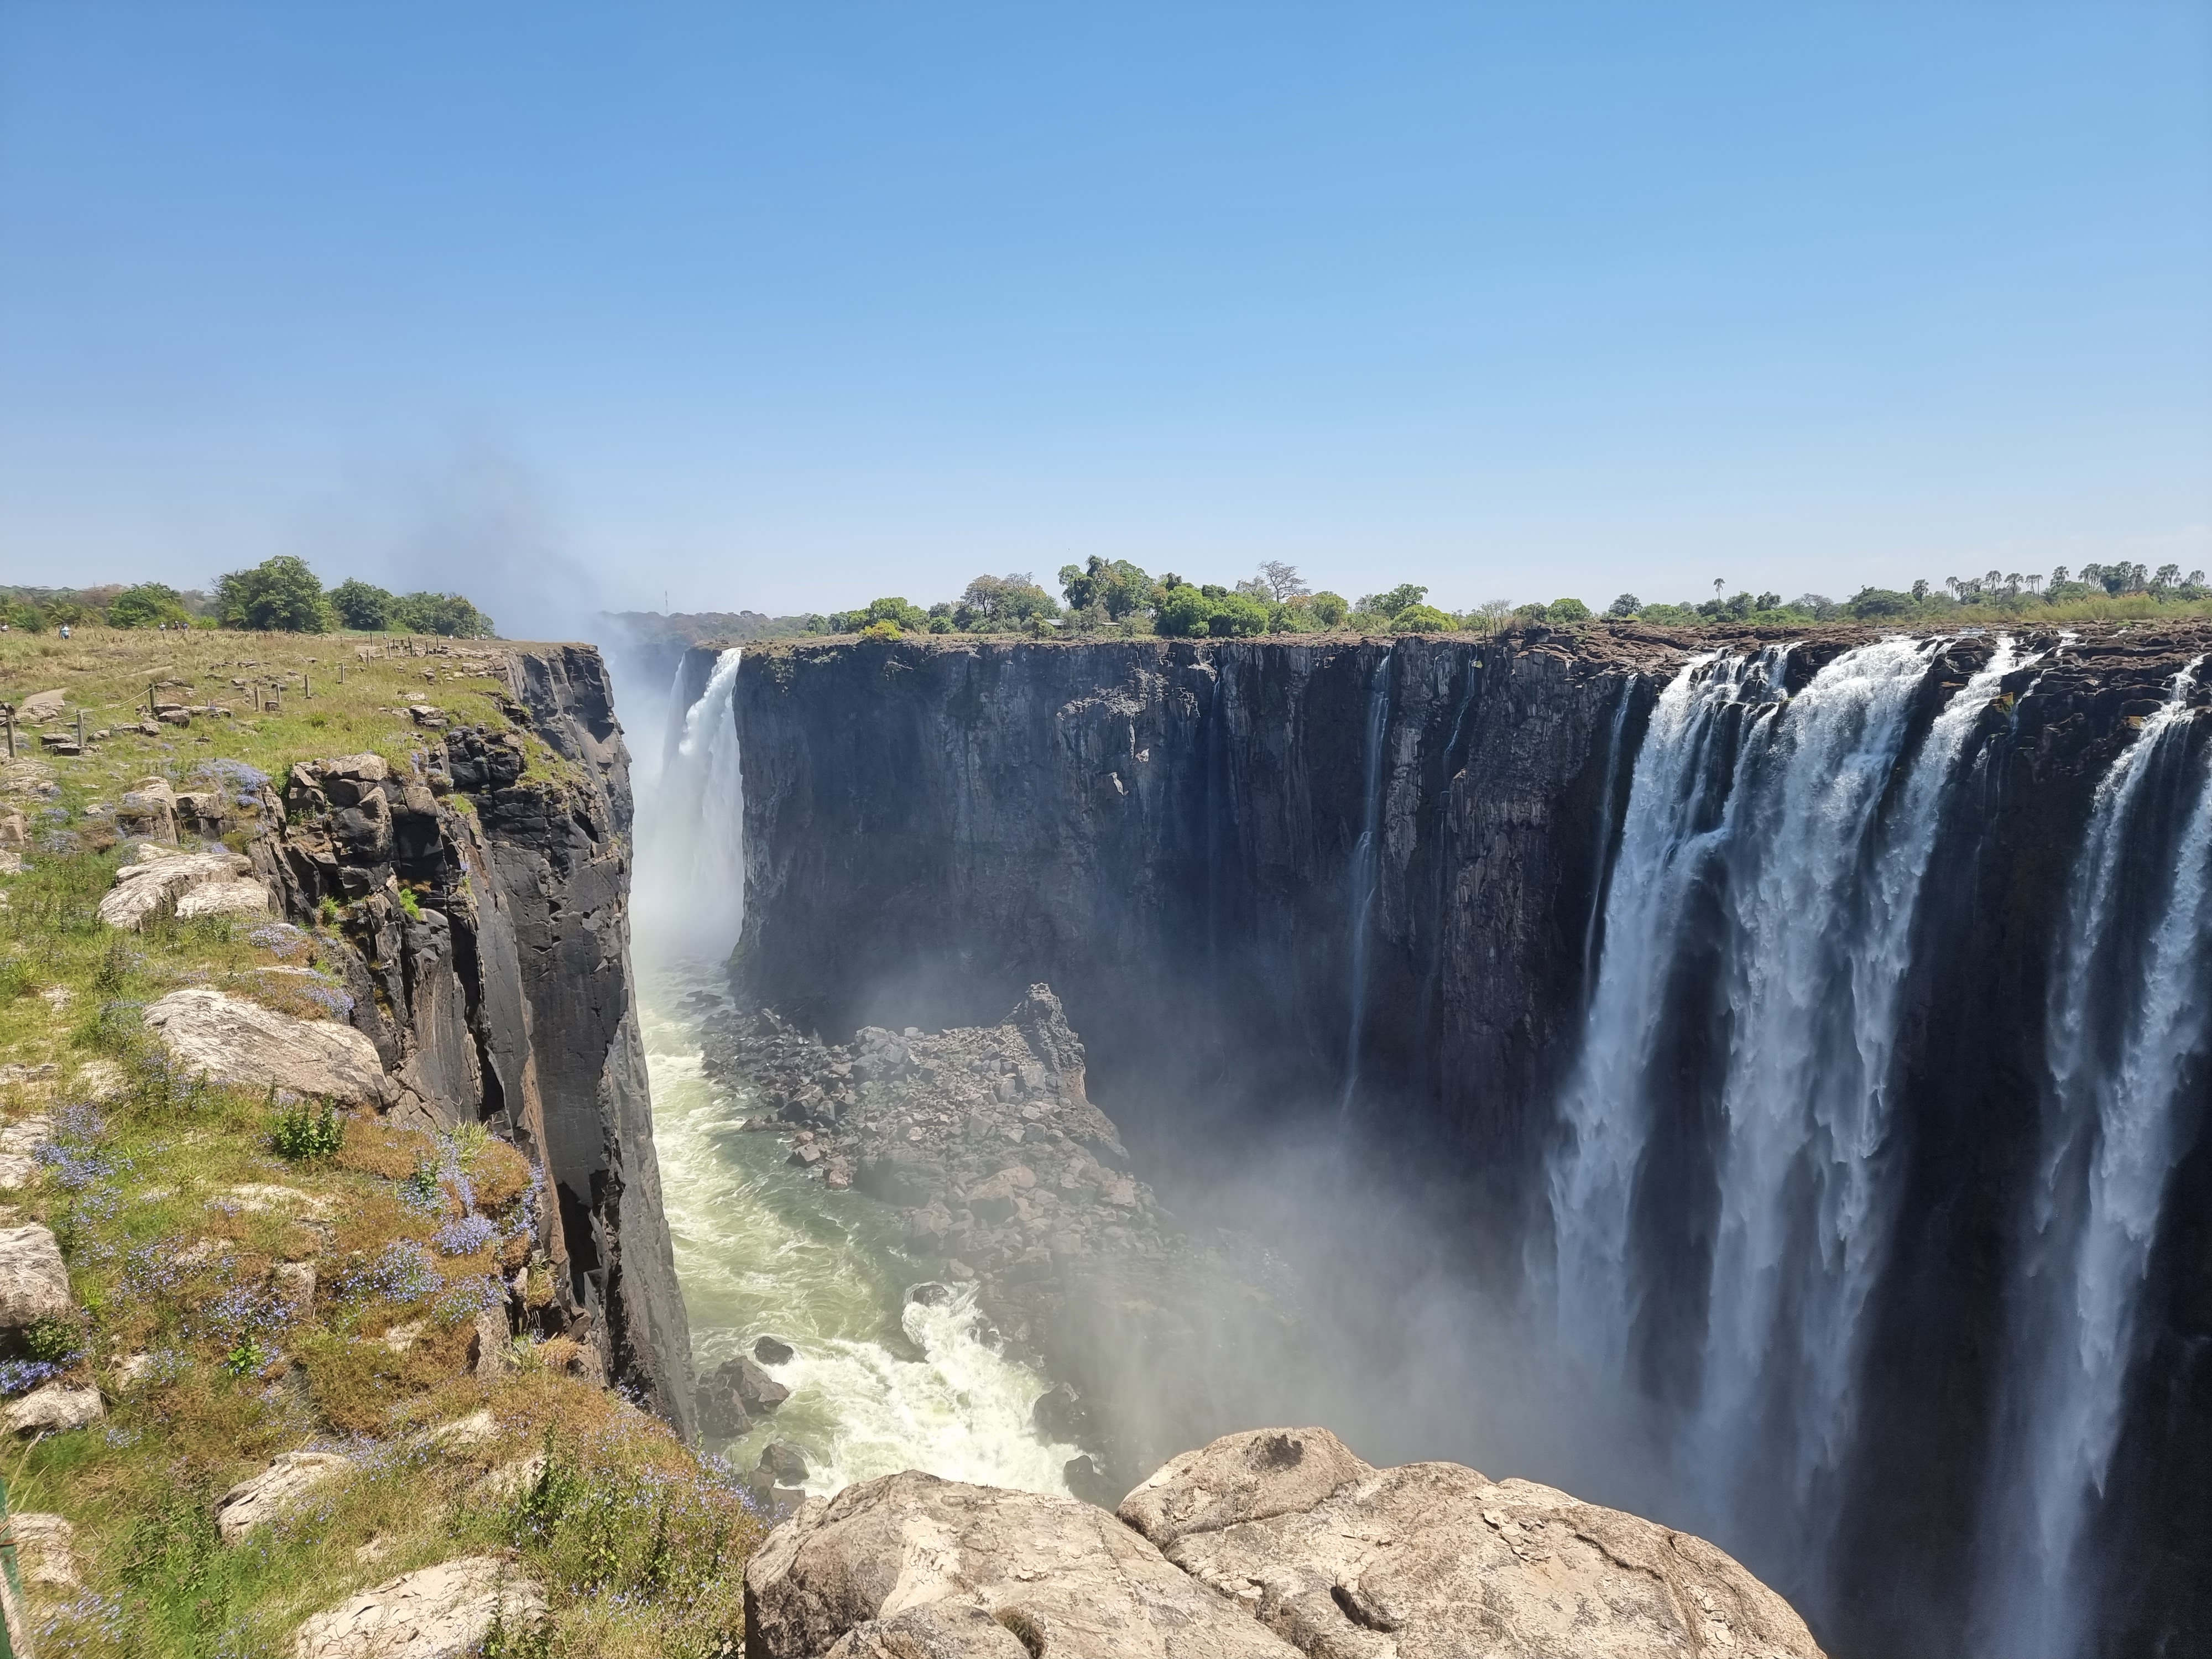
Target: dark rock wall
[(508, 996), (1166, 832)]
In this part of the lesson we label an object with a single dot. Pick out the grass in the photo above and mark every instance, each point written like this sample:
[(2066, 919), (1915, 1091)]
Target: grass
[(181, 1207)]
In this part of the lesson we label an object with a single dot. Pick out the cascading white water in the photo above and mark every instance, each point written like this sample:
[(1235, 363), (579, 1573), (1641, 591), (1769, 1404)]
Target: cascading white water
[(688, 886), (1672, 828), (2117, 1065), (1366, 866), (1791, 817), (878, 1384)]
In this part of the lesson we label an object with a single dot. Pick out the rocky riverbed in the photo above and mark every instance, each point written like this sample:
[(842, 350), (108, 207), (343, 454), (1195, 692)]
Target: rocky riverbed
[(1005, 1175)]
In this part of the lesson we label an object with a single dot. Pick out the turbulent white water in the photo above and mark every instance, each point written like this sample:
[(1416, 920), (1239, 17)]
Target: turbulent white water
[(2117, 1065), (1780, 844), (878, 1384)]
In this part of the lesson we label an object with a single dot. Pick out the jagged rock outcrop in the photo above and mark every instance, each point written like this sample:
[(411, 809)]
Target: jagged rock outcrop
[(1167, 832), (260, 1499), (1435, 1561), (1268, 1542), (481, 901)]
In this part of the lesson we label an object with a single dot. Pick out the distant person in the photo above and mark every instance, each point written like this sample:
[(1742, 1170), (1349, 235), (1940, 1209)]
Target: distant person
[(64, 630)]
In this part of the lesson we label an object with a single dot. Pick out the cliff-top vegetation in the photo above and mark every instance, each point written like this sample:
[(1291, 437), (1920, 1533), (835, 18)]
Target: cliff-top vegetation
[(1109, 598), (249, 1278), (279, 595)]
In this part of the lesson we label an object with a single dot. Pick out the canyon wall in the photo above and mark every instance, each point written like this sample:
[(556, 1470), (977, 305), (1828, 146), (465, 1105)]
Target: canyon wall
[(1281, 884), (500, 989)]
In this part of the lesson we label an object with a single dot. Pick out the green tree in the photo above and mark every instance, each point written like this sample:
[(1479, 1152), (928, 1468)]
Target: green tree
[(279, 595), (999, 604), (1627, 605), (446, 614), (1237, 616), (1184, 613), (1116, 586), (1566, 611), (363, 605), (1330, 609), (1398, 599), (1420, 619), (147, 606)]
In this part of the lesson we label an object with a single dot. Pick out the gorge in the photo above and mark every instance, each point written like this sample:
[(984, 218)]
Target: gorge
[(1751, 1081)]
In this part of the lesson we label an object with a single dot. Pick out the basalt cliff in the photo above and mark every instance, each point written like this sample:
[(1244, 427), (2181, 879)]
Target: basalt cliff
[(1376, 888)]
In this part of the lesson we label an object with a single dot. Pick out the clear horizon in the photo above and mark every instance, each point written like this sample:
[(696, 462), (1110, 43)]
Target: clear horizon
[(571, 309)]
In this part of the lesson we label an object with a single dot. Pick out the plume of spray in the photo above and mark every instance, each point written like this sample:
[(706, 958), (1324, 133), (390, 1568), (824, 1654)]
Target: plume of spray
[(688, 893)]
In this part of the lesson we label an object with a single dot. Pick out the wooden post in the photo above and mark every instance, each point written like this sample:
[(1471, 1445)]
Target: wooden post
[(303, 685), (153, 709), (80, 730), (7, 713)]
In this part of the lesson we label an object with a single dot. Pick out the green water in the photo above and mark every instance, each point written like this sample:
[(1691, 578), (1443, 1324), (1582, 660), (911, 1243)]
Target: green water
[(762, 1248)]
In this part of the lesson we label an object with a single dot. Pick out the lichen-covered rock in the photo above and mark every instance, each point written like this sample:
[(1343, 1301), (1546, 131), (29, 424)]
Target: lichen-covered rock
[(55, 1408), (160, 879), (944, 1630), (241, 898), (254, 1502), (1435, 1561), (33, 1279), (45, 1551), (148, 808), (440, 1613), (1063, 1577), (232, 1041)]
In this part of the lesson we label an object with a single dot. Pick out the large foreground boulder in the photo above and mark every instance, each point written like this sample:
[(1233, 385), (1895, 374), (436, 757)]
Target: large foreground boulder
[(1434, 1561), (233, 1041), (905, 1565)]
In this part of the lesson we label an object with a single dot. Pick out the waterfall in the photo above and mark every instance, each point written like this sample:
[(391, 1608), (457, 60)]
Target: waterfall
[(2124, 1017), (1604, 838), (1756, 936), (1366, 866), (690, 872)]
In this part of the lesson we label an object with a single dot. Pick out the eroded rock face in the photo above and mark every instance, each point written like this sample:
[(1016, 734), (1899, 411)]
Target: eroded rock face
[(232, 1041), (440, 1613), (1435, 1561), (896, 1564)]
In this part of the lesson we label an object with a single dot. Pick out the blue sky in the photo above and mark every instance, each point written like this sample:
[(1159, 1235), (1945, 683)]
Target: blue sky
[(784, 307)]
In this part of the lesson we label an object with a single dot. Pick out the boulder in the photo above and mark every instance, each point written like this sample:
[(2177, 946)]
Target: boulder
[(440, 1613), (1065, 1578), (33, 1280), (55, 1408), (45, 1551), (758, 1390), (722, 1415), (231, 1041), (14, 833), (784, 1461), (148, 808), (160, 877), (769, 1351), (1435, 1561), (39, 708), (253, 1502), (241, 898)]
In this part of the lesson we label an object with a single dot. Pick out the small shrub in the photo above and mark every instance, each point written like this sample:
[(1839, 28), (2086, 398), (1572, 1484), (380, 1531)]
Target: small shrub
[(52, 1341), (327, 912), (307, 1131), (885, 631), (409, 904), (246, 1356)]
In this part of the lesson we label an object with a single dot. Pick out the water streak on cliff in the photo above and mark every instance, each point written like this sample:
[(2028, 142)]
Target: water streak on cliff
[(2125, 1020), (691, 884), (1366, 864)]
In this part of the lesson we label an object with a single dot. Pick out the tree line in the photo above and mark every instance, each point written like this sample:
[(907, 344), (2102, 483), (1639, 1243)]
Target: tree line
[(279, 595), (1113, 596)]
